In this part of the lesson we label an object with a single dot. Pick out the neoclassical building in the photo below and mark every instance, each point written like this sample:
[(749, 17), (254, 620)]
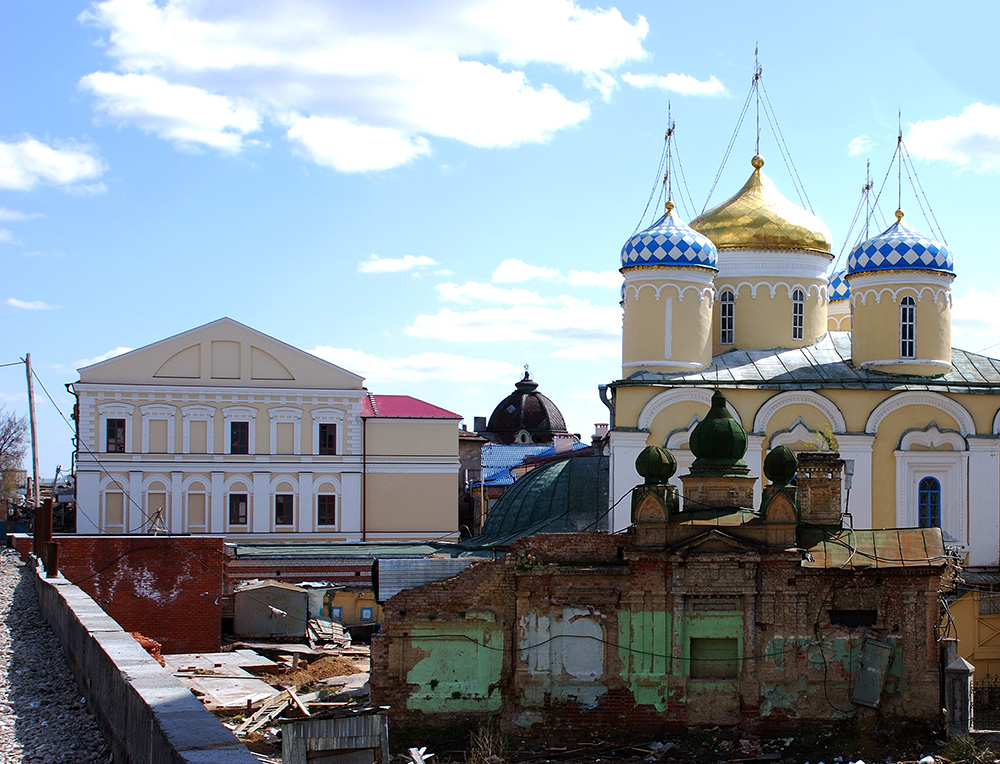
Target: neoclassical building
[(860, 363), (225, 430)]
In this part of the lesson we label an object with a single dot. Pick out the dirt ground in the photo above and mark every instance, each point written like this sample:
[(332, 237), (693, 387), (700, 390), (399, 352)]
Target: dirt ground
[(320, 668)]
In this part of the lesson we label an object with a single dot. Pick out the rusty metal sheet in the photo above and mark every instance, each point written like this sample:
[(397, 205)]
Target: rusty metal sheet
[(888, 548)]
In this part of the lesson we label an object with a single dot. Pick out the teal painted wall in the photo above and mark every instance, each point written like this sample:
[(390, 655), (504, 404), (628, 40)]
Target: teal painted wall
[(460, 669)]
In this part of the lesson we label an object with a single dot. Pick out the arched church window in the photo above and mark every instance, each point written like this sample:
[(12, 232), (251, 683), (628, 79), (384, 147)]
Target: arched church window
[(929, 500), (798, 314), (727, 302), (907, 328)]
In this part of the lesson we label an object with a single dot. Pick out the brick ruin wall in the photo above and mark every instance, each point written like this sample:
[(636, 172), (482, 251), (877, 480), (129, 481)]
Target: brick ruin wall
[(586, 632), (167, 588)]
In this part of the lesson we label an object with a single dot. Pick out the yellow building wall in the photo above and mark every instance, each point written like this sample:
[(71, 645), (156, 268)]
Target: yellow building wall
[(978, 635), (406, 502), (413, 437), (766, 322), (682, 307), (876, 329)]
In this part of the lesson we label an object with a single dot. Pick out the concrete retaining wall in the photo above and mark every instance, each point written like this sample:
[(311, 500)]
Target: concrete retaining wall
[(146, 714)]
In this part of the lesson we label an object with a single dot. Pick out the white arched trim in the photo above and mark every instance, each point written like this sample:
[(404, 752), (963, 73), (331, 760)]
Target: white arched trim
[(668, 398), (793, 398), (701, 292), (277, 480), (244, 480), (817, 290), (932, 437), (197, 483), (799, 432), (322, 480), (996, 423), (679, 438), (956, 411), (894, 294), (156, 477), (115, 482)]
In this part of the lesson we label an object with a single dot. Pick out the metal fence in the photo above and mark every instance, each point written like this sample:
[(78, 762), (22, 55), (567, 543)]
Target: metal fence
[(986, 703)]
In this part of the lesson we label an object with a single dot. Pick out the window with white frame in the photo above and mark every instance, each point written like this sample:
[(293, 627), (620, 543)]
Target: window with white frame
[(240, 432), (199, 429), (907, 328), (286, 430), (929, 502), (798, 314), (727, 315), (115, 428), (114, 439), (326, 510), (284, 509), (158, 428), (327, 432), (238, 506)]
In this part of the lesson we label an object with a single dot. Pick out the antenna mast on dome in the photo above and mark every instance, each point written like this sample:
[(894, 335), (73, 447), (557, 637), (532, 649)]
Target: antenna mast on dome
[(757, 89), (663, 184)]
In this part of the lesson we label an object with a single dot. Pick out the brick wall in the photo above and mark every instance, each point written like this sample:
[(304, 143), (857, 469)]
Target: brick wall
[(167, 588)]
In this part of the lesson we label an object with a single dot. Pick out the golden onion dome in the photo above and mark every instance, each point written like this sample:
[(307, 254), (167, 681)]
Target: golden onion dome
[(759, 217)]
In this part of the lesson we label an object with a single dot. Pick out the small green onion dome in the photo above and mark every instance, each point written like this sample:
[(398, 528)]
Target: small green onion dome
[(718, 441), (780, 465), (655, 464)]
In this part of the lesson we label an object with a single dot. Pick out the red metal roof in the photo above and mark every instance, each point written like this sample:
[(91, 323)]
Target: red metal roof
[(403, 407)]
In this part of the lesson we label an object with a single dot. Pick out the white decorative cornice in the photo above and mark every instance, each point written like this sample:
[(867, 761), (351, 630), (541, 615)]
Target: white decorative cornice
[(668, 398), (795, 397), (932, 438), (966, 424)]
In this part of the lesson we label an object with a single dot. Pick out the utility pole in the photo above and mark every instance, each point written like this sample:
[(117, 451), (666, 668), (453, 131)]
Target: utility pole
[(34, 441)]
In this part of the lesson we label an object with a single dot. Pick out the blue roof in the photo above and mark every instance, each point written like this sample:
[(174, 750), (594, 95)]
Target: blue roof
[(670, 241), (900, 247), (838, 287)]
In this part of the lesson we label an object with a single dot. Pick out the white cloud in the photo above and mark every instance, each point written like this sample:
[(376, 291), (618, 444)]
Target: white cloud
[(347, 146), (29, 305), (561, 326), (591, 351), (358, 86), (8, 215), (102, 357), (609, 279), (472, 292), (6, 236), (683, 84), (419, 367), (513, 271), (182, 114), (970, 140), (860, 145), (28, 162), (376, 264)]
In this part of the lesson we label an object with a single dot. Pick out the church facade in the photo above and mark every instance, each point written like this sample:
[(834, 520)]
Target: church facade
[(860, 363)]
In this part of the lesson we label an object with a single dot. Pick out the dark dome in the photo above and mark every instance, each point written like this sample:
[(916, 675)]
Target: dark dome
[(565, 496), (526, 416)]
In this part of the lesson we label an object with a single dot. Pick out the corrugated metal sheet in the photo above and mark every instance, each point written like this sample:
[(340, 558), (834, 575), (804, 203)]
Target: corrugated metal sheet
[(827, 364), (305, 739), (390, 577)]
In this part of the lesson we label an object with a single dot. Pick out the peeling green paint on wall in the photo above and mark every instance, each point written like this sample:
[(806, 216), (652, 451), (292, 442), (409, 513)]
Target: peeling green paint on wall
[(460, 670), (644, 650)]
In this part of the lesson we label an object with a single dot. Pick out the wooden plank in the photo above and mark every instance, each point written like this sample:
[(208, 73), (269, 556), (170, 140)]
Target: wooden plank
[(296, 701)]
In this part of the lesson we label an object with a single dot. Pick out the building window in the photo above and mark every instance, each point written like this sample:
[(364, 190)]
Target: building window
[(989, 599), (337, 613), (115, 442), (728, 317), (237, 509), (239, 437), (929, 499), (326, 510), (907, 328), (798, 314), (328, 439), (284, 509), (367, 614)]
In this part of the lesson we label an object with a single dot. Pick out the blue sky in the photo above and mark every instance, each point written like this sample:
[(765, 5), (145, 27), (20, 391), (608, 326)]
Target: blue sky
[(435, 193)]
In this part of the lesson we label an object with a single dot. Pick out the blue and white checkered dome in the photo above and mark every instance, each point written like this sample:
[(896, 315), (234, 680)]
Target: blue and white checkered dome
[(670, 241), (899, 247), (838, 287)]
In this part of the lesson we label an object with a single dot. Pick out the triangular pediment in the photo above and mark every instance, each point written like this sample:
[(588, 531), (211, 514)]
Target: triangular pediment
[(713, 542), (222, 353)]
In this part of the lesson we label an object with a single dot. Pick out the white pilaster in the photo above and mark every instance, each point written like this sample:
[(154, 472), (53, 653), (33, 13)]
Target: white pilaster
[(88, 502), (217, 504), (755, 461), (135, 520), (260, 521), (305, 515), (350, 506), (625, 447), (859, 501), (176, 502), (984, 501)]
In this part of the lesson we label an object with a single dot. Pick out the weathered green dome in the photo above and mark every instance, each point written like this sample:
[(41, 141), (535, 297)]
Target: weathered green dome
[(780, 465), (718, 442), (655, 464)]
